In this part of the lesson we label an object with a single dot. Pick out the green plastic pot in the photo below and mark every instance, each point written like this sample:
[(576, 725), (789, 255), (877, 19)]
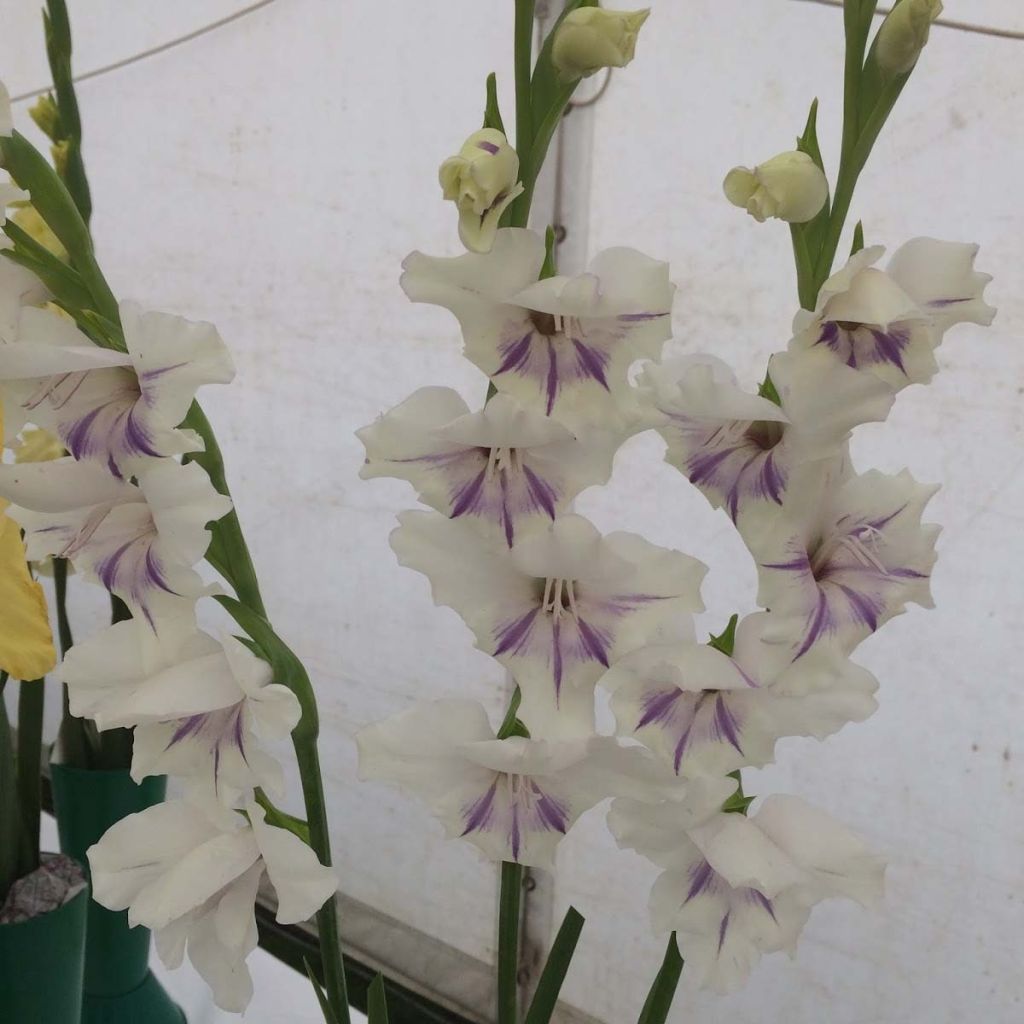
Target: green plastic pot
[(118, 986), (41, 965)]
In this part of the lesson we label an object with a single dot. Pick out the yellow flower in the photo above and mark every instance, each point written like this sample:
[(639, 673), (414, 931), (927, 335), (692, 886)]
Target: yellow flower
[(26, 643)]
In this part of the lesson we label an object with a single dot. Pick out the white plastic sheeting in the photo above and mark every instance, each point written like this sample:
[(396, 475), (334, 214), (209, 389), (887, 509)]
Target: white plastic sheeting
[(271, 175)]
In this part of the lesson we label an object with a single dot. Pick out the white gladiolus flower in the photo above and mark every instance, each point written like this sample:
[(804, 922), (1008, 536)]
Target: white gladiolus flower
[(564, 344), (790, 187), (514, 799), (742, 449), (505, 467), (192, 875), (847, 554), (704, 712), (140, 542), (591, 38), (559, 607), (482, 180), (889, 322), (116, 408), (735, 888), (201, 708), (904, 34)]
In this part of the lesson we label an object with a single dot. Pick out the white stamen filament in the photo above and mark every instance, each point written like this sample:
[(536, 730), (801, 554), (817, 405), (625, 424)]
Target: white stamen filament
[(559, 323), (553, 601), (858, 546), (502, 458)]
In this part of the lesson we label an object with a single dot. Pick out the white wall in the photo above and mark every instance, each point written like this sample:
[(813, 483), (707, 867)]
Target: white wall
[(271, 175)]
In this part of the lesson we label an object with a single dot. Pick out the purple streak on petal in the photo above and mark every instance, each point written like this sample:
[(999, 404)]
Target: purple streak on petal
[(187, 727), (888, 345), (552, 376), (882, 521), (907, 574), (553, 815), (864, 609), (595, 643), (722, 930), (681, 744), (947, 302), (658, 707), (514, 834), (591, 362), (820, 622), (516, 354), (487, 147), (78, 439), (702, 879), (829, 335), (465, 499), (759, 899), (630, 318), (702, 466), (726, 725), (773, 479), (477, 815), (513, 636), (541, 491), (556, 653), (799, 564), (505, 512)]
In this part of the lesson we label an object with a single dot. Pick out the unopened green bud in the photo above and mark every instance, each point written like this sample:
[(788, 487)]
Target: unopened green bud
[(591, 38), (46, 115), (903, 35), (60, 152)]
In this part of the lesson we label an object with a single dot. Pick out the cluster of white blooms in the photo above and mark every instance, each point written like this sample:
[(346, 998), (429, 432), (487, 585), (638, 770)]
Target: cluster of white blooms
[(128, 512), (567, 611)]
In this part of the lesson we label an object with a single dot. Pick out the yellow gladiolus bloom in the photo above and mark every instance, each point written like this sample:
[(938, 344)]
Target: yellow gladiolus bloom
[(26, 643)]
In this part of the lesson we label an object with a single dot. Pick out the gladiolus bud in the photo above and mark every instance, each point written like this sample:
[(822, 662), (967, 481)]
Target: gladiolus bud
[(481, 180), (591, 38), (903, 35), (46, 116), (790, 186)]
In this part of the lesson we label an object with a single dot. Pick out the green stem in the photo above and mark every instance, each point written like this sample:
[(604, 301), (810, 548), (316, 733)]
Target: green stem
[(31, 699), (524, 29), (74, 741), (663, 989), (327, 918), (228, 552), (508, 942), (10, 816), (849, 174)]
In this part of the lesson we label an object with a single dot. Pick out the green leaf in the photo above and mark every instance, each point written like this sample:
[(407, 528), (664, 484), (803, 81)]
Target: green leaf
[(64, 282), (510, 725), (321, 997), (858, 238), (663, 989), (377, 1002), (766, 389), (808, 237), (492, 112), (738, 802), (726, 640), (549, 268), (54, 204), (545, 998)]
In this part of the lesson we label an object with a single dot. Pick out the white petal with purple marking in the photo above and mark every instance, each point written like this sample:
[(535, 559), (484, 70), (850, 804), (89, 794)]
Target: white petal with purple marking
[(562, 345), (836, 567), (504, 468), (559, 607)]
